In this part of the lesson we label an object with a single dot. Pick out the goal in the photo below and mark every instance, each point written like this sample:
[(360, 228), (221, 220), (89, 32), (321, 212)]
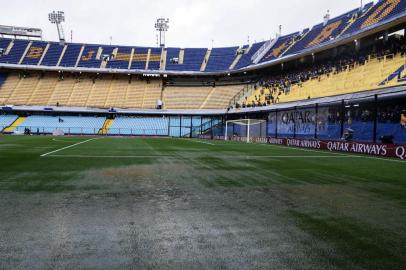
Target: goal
[(245, 129)]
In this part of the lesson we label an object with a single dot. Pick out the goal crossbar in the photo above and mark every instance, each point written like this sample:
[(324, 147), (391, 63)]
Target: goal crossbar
[(243, 122)]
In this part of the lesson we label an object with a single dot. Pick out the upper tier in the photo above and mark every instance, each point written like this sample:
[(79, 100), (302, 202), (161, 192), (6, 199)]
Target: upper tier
[(195, 60)]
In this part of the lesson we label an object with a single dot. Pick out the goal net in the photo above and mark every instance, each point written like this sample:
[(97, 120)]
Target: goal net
[(245, 129)]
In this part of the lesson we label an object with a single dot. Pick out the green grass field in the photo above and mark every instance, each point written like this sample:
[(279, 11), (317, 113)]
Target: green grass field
[(114, 203)]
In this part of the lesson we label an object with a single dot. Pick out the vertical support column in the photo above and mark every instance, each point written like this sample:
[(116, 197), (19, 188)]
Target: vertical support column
[(211, 127), (266, 126), (342, 118), (201, 126), (294, 124), (191, 126), (180, 125), (276, 124), (169, 126), (316, 120), (248, 131), (375, 117), (225, 131)]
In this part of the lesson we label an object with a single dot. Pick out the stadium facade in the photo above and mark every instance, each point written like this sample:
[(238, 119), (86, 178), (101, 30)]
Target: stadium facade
[(343, 78)]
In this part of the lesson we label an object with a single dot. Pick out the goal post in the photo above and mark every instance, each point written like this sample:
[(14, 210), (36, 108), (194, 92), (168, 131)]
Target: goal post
[(245, 129)]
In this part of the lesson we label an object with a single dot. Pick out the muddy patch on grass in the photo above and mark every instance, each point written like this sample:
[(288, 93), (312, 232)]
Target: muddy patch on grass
[(134, 176)]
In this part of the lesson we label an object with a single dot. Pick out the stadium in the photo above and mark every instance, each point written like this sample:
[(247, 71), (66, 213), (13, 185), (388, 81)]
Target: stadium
[(288, 153)]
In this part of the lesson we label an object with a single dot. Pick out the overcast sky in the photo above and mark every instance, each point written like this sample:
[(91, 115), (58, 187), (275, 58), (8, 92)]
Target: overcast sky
[(193, 23)]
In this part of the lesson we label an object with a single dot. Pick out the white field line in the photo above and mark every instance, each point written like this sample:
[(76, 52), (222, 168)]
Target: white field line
[(67, 147), (226, 157), (57, 140), (198, 141)]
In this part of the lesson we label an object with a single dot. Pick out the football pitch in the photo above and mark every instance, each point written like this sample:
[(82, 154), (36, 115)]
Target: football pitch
[(147, 203)]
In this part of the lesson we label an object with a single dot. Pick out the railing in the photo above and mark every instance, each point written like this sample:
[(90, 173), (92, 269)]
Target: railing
[(246, 91), (263, 50), (89, 131), (138, 132)]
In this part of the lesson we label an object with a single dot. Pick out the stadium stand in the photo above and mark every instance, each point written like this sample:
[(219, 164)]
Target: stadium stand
[(221, 59), (280, 47), (220, 96), (345, 74), (4, 45), (91, 57), (154, 59), (323, 32), (52, 55), (359, 77), (120, 58), (80, 91), (140, 58), (193, 59), (67, 124), (14, 51), (383, 10), (186, 97), (71, 55), (23, 91), (152, 126), (34, 53), (197, 59)]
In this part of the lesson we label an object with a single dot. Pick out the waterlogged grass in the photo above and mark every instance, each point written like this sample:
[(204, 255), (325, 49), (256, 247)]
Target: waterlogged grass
[(351, 210), (364, 245)]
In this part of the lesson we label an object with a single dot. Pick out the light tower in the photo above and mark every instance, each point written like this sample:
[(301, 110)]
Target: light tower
[(58, 18), (162, 26)]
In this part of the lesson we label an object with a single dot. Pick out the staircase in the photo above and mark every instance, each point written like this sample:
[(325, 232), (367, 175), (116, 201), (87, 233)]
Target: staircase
[(106, 126), (14, 125), (99, 53), (206, 60), (9, 47), (264, 50), (104, 61), (62, 55), (207, 98), (181, 56), (236, 60), (148, 57), (163, 59), (131, 58), (25, 52), (80, 56), (43, 54)]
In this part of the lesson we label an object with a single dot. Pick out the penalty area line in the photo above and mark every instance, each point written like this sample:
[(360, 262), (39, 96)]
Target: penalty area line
[(67, 147), (96, 156)]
